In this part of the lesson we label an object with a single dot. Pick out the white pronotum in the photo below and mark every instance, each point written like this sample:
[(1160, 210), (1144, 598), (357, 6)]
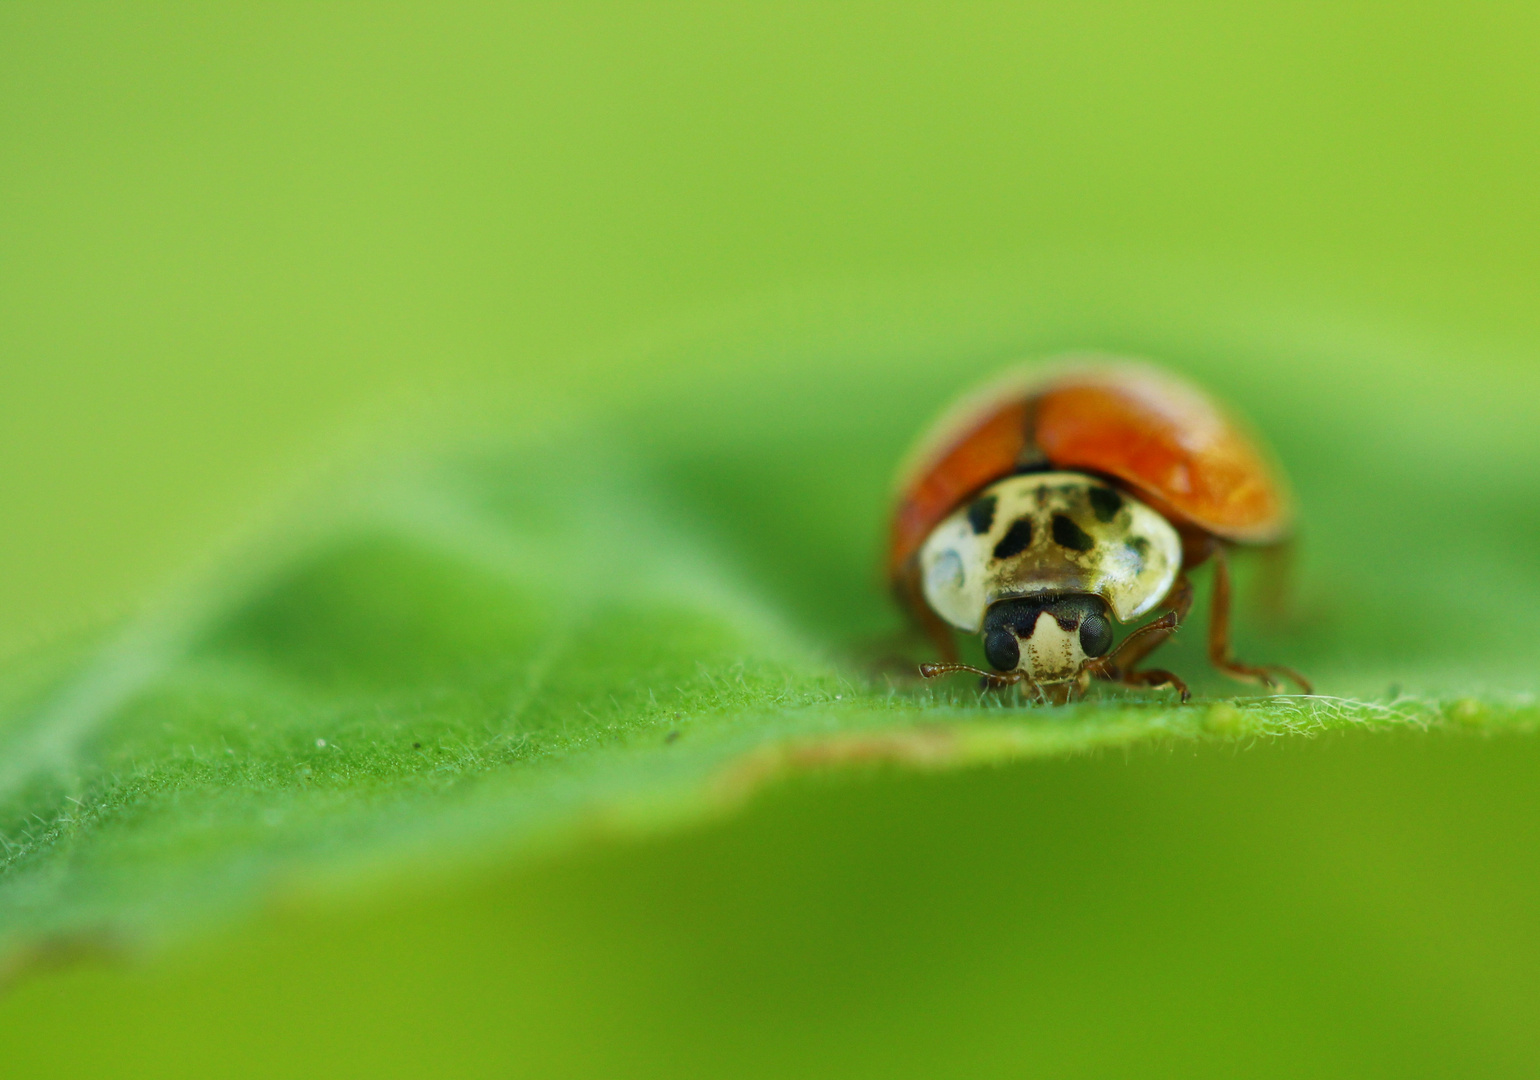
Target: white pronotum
[(1051, 532)]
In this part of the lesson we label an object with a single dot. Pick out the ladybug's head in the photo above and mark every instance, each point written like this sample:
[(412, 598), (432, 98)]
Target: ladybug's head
[(1048, 638)]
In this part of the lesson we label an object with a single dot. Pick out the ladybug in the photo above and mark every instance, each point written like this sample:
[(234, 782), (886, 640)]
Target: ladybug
[(1060, 501)]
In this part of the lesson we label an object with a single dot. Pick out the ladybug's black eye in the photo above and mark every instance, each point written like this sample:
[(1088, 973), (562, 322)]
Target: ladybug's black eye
[(1001, 650), (1095, 635)]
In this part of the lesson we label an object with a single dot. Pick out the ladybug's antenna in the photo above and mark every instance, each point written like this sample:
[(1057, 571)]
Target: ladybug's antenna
[(935, 671)]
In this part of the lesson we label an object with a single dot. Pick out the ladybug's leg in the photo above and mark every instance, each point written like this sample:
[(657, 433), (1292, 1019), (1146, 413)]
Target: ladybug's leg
[(1157, 678), (1219, 636), (1119, 666), (1059, 693), (1151, 636)]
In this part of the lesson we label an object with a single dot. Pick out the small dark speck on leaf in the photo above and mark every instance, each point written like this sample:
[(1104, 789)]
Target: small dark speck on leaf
[(417, 746), (671, 736)]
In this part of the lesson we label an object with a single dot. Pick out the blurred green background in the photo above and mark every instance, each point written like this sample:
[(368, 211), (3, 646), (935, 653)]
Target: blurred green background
[(228, 233), (733, 258)]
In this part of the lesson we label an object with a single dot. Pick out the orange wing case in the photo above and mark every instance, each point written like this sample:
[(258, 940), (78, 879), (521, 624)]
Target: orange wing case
[(1167, 440)]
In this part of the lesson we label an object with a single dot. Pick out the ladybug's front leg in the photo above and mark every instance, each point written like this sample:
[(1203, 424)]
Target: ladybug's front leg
[(1119, 666), (1155, 679)]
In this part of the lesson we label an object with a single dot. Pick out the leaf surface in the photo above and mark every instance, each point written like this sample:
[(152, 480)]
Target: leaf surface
[(637, 621)]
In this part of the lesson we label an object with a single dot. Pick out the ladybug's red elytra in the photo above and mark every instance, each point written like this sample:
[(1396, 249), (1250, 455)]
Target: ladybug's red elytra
[(1061, 500)]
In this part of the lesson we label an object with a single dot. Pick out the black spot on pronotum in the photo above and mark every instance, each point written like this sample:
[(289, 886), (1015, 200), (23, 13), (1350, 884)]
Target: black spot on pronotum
[(1106, 503), (1067, 534), (1141, 549), (1001, 650), (1016, 539), (981, 515)]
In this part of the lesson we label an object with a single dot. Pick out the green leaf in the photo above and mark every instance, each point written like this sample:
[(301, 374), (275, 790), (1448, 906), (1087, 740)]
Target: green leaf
[(639, 620)]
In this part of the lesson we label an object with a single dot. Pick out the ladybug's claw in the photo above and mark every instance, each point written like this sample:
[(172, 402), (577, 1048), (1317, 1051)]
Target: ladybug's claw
[(1267, 675), (1155, 679), (1219, 637), (1292, 676)]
